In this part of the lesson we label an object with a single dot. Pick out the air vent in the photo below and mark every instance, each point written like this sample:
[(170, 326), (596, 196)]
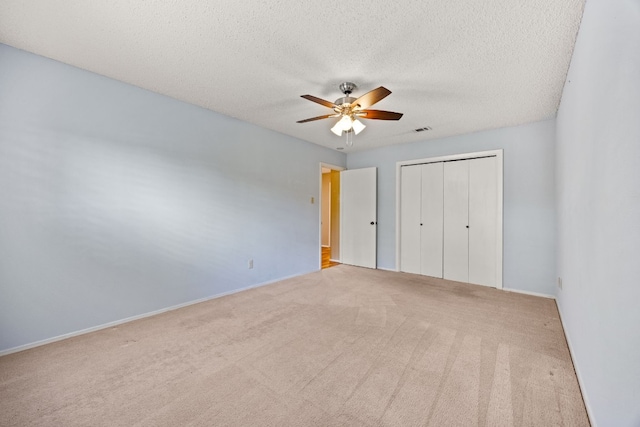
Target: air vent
[(422, 129)]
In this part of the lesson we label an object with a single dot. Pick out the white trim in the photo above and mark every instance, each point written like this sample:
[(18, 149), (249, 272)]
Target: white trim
[(319, 198), (585, 398), (387, 269), (463, 156), (398, 190), (139, 316), (499, 227), (326, 246), (334, 260), (535, 294)]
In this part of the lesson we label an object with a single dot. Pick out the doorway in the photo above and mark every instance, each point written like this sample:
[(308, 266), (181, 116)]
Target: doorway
[(329, 215)]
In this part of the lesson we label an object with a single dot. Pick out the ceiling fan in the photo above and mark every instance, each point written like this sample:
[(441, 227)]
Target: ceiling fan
[(349, 109)]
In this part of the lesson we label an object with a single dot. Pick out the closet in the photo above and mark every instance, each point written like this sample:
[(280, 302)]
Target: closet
[(449, 219)]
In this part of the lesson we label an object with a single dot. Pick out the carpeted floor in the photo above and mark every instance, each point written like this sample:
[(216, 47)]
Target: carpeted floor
[(341, 347)]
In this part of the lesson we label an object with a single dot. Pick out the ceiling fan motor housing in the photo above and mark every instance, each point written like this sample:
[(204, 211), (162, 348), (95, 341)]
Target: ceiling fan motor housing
[(344, 100)]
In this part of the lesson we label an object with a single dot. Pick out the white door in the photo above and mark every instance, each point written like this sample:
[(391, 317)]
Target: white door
[(456, 221), (410, 194), (483, 221), (431, 223), (359, 217)]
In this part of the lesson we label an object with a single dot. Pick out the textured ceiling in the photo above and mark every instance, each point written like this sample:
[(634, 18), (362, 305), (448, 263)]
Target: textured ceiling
[(456, 66)]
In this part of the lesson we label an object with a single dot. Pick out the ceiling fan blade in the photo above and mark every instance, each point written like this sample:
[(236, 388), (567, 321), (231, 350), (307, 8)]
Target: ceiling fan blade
[(370, 98), (379, 115), (317, 118), (319, 101)]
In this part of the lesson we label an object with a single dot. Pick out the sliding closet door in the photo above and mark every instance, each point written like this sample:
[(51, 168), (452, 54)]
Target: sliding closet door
[(410, 219), (456, 221), (431, 223), (483, 221)]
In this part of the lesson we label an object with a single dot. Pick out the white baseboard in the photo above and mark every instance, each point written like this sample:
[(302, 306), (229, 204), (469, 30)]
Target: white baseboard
[(585, 398), (137, 317), (535, 294), (334, 260)]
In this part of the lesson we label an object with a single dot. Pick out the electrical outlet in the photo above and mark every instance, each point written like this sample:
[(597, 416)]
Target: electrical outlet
[(313, 200), (250, 264), (560, 282)]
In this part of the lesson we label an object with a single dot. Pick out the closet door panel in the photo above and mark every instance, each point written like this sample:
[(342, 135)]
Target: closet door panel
[(456, 221), (431, 231), (410, 219), (483, 214)]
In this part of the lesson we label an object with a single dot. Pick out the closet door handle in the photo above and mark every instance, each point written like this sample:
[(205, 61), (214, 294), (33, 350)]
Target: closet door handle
[(467, 226)]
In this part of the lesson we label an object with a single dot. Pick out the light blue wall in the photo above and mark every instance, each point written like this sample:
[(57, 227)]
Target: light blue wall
[(115, 201), (529, 205), (598, 174)]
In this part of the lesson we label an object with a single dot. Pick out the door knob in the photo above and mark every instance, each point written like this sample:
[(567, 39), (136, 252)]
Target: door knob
[(467, 226), (372, 223)]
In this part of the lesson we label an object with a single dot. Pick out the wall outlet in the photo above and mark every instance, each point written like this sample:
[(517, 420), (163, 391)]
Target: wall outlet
[(250, 264), (313, 200), (560, 282)]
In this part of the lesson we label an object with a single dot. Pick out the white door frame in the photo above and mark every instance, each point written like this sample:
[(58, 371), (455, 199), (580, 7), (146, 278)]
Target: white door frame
[(332, 167), (463, 156)]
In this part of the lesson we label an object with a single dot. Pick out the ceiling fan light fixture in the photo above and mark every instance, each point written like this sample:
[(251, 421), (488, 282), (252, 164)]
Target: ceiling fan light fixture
[(358, 126), (345, 123), (337, 128)]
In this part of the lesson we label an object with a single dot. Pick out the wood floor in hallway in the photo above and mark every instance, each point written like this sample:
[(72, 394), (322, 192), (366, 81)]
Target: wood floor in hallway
[(326, 258)]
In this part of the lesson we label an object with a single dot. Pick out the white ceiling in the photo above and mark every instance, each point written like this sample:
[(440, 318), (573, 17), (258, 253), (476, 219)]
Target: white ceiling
[(457, 66)]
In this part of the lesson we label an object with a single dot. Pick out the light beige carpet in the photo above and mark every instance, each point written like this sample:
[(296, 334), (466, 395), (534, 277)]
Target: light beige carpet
[(341, 347)]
